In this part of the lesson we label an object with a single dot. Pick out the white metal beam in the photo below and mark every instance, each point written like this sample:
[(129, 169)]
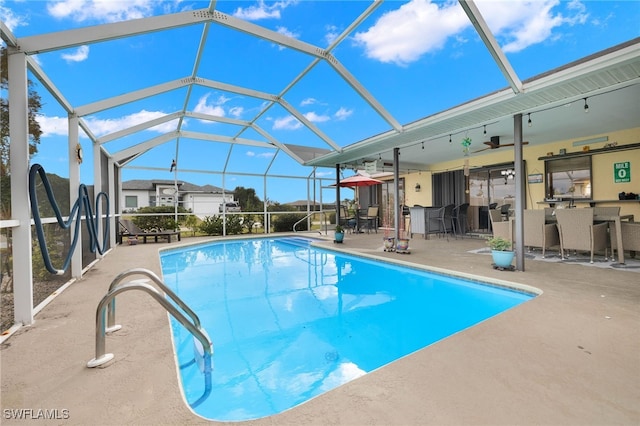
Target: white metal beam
[(138, 127), (277, 144), (48, 84), (236, 89), (209, 117), (224, 139), (97, 33), (20, 208), (144, 146), (491, 43), (309, 125), (363, 92), (258, 31), (132, 96)]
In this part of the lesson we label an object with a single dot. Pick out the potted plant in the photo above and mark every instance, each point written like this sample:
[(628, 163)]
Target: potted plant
[(339, 234), (501, 252)]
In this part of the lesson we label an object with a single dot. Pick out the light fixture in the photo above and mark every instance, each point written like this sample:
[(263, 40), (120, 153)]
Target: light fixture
[(417, 187), (485, 129), (529, 123), (586, 106), (508, 174), (422, 144), (173, 165), (449, 138)]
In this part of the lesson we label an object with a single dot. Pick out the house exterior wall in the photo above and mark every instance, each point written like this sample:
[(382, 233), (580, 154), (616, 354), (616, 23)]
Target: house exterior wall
[(204, 204), (142, 197), (602, 175)]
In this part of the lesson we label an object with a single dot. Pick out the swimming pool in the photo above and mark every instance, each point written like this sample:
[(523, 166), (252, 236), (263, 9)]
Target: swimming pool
[(290, 321)]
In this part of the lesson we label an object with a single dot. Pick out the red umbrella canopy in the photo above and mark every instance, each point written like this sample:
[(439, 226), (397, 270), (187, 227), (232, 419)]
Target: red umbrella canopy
[(359, 180)]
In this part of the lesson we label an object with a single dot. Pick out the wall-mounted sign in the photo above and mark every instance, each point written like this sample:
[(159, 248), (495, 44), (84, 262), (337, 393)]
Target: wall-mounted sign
[(622, 172), (535, 178)]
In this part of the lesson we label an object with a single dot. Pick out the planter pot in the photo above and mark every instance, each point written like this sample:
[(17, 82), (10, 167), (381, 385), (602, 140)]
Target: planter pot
[(502, 259), (389, 243), (339, 236), (403, 244)]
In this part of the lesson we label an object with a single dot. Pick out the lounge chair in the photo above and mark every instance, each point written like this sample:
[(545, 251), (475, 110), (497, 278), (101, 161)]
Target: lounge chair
[(129, 230)]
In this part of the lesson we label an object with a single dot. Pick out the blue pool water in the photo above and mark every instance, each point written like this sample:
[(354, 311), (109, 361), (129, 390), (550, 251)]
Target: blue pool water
[(289, 321)]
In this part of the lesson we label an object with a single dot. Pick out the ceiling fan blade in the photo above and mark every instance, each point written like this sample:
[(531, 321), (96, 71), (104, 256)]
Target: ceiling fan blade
[(511, 144), (480, 150)]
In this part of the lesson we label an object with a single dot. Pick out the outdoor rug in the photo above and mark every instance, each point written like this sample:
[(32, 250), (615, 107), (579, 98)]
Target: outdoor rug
[(599, 261)]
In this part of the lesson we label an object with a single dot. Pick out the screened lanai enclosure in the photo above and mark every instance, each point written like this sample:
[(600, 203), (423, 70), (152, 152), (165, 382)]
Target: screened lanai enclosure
[(284, 98)]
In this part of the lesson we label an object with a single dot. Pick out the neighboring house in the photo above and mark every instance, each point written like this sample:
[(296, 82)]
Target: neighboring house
[(201, 200)]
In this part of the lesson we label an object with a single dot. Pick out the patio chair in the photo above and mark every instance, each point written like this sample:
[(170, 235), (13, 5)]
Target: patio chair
[(504, 211), (371, 218), (537, 233), (346, 221), (499, 227), (578, 232), (459, 217), (445, 220), (630, 236)]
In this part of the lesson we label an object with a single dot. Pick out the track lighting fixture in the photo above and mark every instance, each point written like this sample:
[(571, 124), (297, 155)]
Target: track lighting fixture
[(422, 144), (586, 106), (485, 129), (529, 123), (449, 138)]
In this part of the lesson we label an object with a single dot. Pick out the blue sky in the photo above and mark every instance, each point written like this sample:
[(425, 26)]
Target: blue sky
[(416, 58)]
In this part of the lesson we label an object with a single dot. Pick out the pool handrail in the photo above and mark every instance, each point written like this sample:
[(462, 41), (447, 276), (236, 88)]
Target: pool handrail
[(111, 312), (102, 358)]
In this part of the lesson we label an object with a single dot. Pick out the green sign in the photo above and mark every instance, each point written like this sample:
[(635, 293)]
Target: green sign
[(622, 172)]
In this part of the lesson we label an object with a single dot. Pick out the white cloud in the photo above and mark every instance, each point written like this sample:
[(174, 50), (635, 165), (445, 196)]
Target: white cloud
[(59, 126), (262, 155), (332, 34), (518, 25), (262, 10), (101, 10), (236, 111), (53, 126), (79, 55), (286, 123), (403, 35), (315, 118), (10, 19), (214, 108), (308, 101), (343, 113)]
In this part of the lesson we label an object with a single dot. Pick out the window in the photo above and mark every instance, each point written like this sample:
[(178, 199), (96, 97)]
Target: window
[(568, 178), (131, 201)]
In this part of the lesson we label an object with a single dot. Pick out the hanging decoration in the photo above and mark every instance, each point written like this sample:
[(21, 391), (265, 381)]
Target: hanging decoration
[(466, 143)]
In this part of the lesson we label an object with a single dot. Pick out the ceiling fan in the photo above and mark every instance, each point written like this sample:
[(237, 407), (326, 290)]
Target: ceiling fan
[(495, 143)]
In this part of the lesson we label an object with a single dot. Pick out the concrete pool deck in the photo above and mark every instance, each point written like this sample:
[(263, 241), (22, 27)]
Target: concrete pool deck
[(571, 356)]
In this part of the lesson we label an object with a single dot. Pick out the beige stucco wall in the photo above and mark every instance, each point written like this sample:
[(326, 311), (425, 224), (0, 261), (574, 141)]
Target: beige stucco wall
[(603, 185)]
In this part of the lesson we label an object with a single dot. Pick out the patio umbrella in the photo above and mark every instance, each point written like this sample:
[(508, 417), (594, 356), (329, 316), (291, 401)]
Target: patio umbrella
[(358, 180)]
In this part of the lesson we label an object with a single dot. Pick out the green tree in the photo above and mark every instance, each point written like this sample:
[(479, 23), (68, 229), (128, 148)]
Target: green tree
[(249, 202), (34, 106)]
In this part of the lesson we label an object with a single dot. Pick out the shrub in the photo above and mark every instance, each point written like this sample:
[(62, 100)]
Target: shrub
[(212, 225), (164, 220), (285, 222)]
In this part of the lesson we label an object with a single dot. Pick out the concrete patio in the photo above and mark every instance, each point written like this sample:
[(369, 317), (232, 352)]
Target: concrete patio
[(570, 356)]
